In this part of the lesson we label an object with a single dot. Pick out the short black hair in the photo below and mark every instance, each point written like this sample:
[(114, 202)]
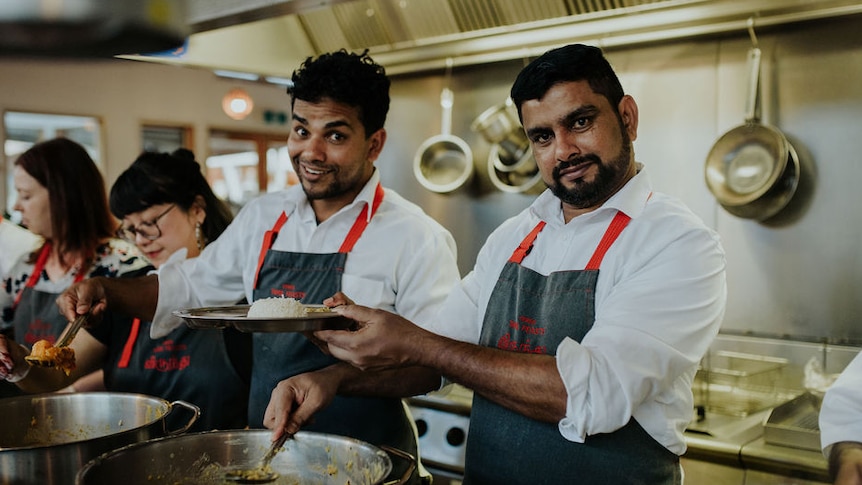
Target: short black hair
[(348, 78), (574, 62), (168, 178)]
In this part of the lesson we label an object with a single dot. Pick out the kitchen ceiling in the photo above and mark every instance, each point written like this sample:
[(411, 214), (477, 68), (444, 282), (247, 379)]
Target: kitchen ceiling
[(271, 37)]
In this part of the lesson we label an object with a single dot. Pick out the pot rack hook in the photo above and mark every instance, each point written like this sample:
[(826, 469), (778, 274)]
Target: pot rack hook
[(751, 32), (448, 74)]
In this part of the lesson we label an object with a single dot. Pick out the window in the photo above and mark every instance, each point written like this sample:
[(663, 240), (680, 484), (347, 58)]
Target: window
[(157, 138), (23, 130), (240, 166)]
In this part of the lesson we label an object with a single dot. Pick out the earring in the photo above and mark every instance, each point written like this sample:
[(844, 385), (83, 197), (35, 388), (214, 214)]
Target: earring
[(199, 237)]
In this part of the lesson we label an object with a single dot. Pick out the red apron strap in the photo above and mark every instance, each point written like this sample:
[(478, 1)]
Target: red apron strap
[(361, 222), (80, 276), (268, 239), (526, 245), (617, 225), (37, 271), (126, 356)]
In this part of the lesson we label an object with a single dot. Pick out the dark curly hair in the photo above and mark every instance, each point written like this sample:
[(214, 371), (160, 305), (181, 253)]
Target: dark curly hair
[(168, 178), (574, 62), (348, 78)]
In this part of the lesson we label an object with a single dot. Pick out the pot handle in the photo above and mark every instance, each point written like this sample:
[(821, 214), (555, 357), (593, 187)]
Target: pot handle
[(196, 413), (752, 108), (404, 456)]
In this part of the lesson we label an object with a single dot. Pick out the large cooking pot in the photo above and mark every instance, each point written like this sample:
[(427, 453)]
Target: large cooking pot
[(753, 170), (202, 458), (46, 438)]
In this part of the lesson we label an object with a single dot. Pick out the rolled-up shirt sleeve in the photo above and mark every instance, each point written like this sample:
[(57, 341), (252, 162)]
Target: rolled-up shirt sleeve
[(657, 312), (211, 278)]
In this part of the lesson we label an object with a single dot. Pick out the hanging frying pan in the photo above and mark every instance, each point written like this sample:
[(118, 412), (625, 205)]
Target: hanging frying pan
[(752, 170), (444, 162)]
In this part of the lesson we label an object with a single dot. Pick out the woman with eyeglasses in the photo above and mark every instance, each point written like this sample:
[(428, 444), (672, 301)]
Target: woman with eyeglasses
[(168, 210), (61, 197)]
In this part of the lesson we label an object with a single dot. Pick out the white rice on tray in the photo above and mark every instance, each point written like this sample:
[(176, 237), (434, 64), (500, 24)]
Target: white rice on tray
[(276, 307)]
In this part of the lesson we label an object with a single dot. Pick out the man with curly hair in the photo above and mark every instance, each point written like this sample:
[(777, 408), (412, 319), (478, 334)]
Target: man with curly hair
[(338, 230)]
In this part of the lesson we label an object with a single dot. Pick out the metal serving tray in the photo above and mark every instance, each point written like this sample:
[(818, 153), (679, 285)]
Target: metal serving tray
[(318, 318), (795, 423)]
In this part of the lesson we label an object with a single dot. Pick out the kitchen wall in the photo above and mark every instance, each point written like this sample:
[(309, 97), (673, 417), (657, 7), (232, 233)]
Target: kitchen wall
[(126, 94), (801, 274), (799, 277)]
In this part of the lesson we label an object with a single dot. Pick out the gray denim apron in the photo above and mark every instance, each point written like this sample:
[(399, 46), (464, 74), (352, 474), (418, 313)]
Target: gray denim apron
[(36, 315), (532, 313), (311, 278), (187, 364)]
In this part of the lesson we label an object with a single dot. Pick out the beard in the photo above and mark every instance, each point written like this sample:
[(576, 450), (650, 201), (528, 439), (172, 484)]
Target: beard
[(336, 183), (590, 194)]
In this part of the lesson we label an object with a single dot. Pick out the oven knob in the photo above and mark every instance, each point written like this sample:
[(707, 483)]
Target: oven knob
[(455, 436), (421, 427)]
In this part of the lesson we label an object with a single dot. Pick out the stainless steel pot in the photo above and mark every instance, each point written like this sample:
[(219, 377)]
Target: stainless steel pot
[(45, 439), (499, 126), (752, 170), (522, 177), (202, 458)]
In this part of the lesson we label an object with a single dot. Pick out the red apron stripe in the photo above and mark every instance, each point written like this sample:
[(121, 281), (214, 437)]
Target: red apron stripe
[(527, 244), (268, 239), (617, 225), (37, 272), (361, 222), (355, 232), (126, 356)]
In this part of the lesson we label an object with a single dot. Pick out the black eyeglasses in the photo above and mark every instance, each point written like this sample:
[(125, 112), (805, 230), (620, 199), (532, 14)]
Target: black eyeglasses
[(147, 229)]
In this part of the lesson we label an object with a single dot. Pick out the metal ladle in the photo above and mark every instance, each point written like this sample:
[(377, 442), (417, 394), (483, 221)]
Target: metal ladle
[(64, 342), (261, 473)]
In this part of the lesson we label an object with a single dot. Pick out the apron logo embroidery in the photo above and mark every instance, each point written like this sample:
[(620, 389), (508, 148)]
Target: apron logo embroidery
[(524, 326), (170, 363), (167, 364), (288, 290), (296, 295), (39, 330)]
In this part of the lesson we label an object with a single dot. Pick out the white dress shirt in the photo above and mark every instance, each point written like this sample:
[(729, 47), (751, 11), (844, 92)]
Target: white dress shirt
[(659, 302), (405, 262), (841, 410)]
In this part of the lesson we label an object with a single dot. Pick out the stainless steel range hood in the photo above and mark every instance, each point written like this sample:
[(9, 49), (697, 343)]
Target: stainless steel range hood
[(90, 28), (271, 37)]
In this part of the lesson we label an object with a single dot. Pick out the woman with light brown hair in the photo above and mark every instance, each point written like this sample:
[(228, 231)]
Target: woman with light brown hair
[(62, 198)]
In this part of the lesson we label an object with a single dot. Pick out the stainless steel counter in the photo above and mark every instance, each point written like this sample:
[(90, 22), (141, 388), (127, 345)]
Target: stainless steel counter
[(739, 443)]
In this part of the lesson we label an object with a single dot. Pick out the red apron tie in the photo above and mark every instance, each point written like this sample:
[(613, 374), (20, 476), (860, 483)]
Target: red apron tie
[(619, 222), (349, 241), (268, 239), (126, 356), (37, 272), (617, 225)]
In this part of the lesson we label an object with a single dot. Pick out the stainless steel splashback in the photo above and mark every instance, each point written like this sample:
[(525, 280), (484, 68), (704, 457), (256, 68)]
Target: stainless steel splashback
[(801, 278)]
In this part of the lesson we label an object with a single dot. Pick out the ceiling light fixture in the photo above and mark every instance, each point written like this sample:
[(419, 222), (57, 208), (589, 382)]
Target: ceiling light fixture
[(245, 76), (280, 81), (237, 104)]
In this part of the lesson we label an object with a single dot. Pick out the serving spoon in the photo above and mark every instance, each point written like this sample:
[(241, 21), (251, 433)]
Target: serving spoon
[(261, 473), (64, 342)]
